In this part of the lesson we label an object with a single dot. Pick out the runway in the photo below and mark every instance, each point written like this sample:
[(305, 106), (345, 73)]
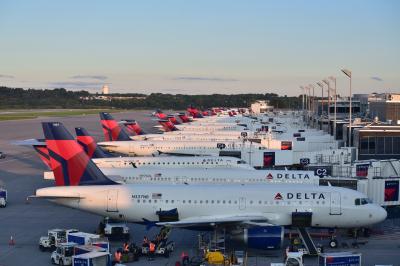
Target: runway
[(21, 172)]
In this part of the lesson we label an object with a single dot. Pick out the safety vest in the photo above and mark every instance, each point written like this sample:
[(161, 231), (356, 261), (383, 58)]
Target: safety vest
[(184, 255), (152, 247), (117, 256)]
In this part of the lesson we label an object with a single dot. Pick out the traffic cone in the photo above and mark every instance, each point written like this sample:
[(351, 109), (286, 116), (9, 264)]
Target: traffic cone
[(11, 242)]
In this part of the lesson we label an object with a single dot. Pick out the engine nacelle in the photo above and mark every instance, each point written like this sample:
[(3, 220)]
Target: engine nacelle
[(260, 237)]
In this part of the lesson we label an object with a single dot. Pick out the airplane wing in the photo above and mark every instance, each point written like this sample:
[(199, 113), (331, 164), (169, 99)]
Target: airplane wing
[(245, 219)]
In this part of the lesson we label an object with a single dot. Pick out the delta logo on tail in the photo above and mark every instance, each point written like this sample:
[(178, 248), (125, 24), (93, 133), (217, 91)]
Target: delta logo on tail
[(111, 129), (89, 144), (159, 114), (133, 127), (70, 164), (184, 118), (167, 125), (173, 120)]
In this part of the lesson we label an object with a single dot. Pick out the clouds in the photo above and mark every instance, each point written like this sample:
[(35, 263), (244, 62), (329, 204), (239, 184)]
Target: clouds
[(6, 76), (214, 79), (96, 77), (377, 78)]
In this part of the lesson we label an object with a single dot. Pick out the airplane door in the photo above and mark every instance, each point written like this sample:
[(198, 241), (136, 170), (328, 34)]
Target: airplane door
[(335, 204), (112, 198), (242, 203)]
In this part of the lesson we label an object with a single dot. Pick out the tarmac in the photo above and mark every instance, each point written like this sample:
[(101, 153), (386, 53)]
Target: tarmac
[(21, 173)]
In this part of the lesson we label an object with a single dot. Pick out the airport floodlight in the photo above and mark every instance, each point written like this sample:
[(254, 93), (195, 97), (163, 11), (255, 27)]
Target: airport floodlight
[(347, 72)]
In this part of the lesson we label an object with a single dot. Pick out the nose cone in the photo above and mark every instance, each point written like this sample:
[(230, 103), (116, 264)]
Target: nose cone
[(378, 214)]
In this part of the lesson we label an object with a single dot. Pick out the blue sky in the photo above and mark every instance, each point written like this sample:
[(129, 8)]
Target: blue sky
[(200, 46)]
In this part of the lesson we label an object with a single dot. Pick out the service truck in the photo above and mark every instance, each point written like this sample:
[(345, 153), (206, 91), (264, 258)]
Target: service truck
[(92, 258), (54, 238), (340, 259), (3, 198)]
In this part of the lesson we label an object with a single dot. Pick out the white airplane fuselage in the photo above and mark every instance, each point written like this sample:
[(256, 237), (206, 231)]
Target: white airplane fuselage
[(153, 148), (172, 162), (330, 206), (227, 176)]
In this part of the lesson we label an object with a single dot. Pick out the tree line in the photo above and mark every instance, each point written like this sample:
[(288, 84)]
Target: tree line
[(62, 98)]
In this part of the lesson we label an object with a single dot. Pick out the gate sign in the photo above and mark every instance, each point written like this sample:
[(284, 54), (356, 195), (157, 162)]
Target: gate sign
[(221, 146), (321, 172), (304, 161)]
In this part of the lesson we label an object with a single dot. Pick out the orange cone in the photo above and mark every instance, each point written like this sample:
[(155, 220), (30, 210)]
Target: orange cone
[(11, 242)]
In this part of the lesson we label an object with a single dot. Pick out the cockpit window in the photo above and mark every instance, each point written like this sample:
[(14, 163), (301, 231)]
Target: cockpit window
[(362, 201)]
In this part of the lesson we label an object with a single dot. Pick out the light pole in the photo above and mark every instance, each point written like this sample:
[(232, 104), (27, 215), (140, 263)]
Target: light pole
[(322, 102), (302, 88), (329, 103), (334, 102), (313, 100), (348, 74)]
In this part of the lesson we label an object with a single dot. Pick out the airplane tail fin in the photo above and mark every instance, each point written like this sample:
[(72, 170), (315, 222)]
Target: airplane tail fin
[(159, 114), (167, 125), (173, 120), (133, 126), (111, 129), (89, 145), (184, 118), (70, 164), (194, 112)]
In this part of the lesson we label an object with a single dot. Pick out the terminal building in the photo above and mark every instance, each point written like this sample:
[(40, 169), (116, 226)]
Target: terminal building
[(385, 107)]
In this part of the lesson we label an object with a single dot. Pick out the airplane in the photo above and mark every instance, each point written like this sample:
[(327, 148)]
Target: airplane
[(106, 160), (124, 144), (80, 184), (108, 121), (198, 170)]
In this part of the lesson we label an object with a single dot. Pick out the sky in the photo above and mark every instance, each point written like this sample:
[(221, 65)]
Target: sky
[(200, 47)]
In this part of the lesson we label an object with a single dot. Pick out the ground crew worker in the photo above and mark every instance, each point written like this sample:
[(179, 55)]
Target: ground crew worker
[(184, 258), (152, 249), (126, 247), (145, 242), (117, 257)]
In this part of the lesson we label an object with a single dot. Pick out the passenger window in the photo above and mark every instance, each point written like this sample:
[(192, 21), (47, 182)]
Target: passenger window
[(357, 202)]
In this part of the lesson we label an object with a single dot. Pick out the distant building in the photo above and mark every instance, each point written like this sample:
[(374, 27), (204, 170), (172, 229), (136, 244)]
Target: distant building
[(386, 107), (261, 106), (105, 90)]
